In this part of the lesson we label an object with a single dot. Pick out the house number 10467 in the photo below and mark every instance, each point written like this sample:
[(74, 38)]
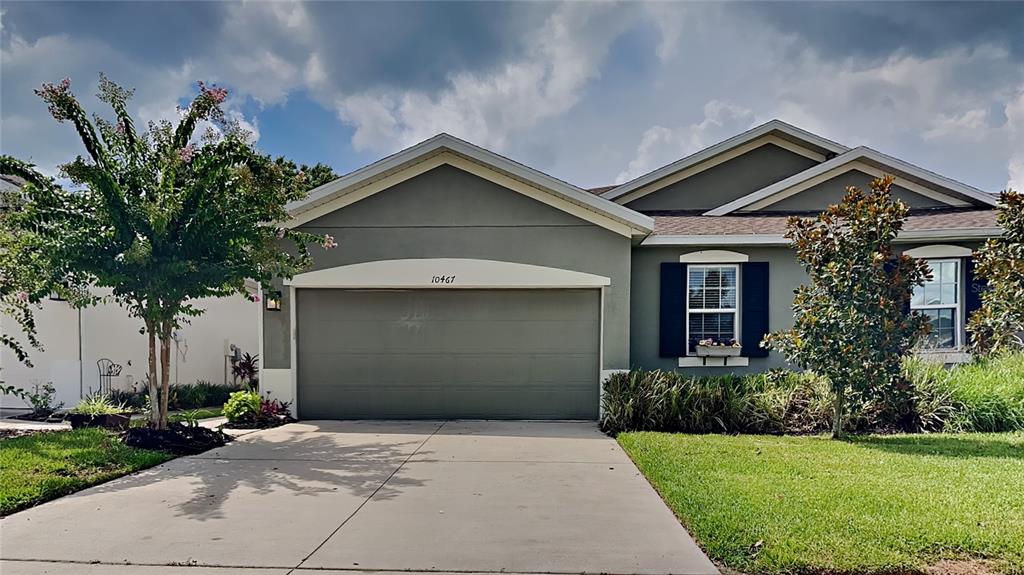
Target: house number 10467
[(442, 279)]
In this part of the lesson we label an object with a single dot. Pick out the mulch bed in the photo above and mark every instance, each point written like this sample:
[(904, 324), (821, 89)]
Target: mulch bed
[(177, 439), (34, 416), (260, 423)]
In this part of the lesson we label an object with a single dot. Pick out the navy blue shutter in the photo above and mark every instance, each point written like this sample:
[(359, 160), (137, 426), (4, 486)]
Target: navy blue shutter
[(672, 342), (754, 308), (973, 286)]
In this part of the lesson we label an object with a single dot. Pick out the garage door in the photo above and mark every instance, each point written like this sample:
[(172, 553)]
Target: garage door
[(420, 354)]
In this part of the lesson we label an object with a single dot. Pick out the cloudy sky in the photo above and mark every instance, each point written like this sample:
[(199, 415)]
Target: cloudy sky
[(594, 93)]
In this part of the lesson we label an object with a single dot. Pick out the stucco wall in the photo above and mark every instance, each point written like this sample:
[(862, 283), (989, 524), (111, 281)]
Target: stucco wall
[(828, 193), (107, 331), (449, 213), (785, 275), (727, 181)]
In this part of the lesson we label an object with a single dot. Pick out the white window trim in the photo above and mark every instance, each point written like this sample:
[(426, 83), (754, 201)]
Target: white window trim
[(736, 310), (958, 307), (939, 251)]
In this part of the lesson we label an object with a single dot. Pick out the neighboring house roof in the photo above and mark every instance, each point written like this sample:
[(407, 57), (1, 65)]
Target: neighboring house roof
[(11, 183), (677, 228), (920, 180), (445, 148), (777, 128)]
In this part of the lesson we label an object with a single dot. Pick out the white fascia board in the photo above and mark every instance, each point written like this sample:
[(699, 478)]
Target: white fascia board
[(639, 223), (721, 147), (854, 155), (952, 234), (957, 234), (716, 240)]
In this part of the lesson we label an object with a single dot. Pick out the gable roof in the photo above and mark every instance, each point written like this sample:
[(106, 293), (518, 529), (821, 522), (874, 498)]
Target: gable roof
[(781, 130), (447, 149), (923, 181)]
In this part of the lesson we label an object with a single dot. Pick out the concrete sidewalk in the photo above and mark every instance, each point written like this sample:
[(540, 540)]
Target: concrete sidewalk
[(518, 497)]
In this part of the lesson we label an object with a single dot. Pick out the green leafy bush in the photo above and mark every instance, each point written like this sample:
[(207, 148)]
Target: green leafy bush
[(249, 410), (983, 396), (242, 404), (185, 396)]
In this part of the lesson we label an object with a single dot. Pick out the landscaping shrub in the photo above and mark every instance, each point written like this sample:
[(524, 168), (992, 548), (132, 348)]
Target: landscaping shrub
[(983, 396), (200, 394), (185, 396), (247, 409)]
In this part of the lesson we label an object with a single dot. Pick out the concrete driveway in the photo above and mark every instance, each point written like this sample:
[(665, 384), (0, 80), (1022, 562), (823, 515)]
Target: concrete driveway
[(488, 497)]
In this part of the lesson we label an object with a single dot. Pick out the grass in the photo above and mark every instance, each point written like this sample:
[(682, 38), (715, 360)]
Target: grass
[(43, 466), (769, 505), (991, 394)]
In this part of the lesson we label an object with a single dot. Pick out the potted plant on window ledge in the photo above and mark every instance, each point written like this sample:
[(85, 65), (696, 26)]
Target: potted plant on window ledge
[(718, 348)]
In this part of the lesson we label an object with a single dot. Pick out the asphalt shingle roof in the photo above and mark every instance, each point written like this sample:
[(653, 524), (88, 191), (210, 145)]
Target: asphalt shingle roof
[(691, 223)]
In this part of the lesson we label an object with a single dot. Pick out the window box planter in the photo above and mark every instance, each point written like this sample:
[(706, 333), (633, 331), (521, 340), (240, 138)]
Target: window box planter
[(718, 351), (117, 421)]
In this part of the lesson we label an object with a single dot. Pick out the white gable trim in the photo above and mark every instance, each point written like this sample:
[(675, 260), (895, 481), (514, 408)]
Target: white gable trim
[(705, 165), (850, 167), (445, 149), (939, 251), (957, 192), (714, 257), (445, 273), (728, 149)]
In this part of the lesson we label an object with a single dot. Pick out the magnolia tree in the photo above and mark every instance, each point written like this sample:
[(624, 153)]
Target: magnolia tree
[(998, 326), (851, 324), (162, 217)]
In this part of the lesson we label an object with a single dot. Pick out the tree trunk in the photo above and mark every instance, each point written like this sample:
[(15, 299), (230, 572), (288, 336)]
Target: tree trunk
[(165, 372), (837, 413), (151, 380)]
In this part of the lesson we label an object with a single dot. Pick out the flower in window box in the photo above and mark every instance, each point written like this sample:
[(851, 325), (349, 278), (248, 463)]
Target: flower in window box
[(711, 347)]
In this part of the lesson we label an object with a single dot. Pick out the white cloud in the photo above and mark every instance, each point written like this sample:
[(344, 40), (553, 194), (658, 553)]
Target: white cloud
[(557, 101), (488, 108), (968, 125), (660, 146)]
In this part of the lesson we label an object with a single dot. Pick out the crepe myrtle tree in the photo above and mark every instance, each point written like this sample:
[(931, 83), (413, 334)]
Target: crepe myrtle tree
[(998, 327), (163, 217), (851, 322), (26, 278)]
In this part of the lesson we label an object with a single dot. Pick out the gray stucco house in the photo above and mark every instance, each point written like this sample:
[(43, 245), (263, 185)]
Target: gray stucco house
[(467, 285)]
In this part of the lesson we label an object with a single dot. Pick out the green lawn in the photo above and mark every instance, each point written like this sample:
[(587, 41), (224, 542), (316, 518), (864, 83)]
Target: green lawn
[(44, 466), (764, 504)]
